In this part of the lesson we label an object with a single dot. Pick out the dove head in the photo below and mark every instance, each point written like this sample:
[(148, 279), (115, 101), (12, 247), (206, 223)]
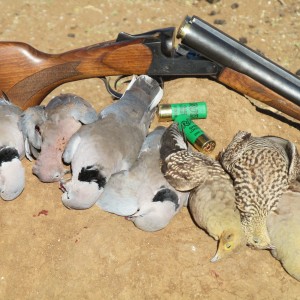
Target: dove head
[(156, 214), (55, 134), (79, 194), (256, 232), (12, 179), (230, 241), (84, 191), (152, 218), (49, 167)]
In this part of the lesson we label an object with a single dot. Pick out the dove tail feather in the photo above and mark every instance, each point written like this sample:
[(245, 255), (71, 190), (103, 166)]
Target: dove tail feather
[(29, 121), (172, 141), (3, 101), (5, 98), (159, 94), (152, 141), (133, 79), (149, 86)]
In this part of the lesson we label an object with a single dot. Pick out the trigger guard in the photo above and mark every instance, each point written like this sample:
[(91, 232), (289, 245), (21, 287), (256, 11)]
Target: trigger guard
[(116, 95)]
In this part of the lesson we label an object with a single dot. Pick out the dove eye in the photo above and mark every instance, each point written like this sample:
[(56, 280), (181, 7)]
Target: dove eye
[(37, 129)]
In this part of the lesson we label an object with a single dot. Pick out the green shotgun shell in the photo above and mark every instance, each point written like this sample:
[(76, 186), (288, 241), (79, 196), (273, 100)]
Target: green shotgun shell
[(195, 110), (194, 134)]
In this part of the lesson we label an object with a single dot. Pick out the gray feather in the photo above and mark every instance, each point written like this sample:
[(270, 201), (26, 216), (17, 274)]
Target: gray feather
[(48, 129), (30, 120), (12, 150), (72, 105), (111, 144), (142, 193)]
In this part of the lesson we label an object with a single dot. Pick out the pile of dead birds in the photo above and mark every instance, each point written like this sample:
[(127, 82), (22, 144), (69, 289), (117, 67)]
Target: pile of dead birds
[(250, 195)]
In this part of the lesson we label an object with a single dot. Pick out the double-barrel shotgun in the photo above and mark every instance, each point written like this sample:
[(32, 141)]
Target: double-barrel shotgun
[(28, 75)]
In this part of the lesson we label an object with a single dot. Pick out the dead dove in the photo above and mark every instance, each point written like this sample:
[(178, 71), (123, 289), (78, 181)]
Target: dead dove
[(12, 151), (111, 144), (284, 230), (262, 168), (212, 198), (47, 130), (142, 193)]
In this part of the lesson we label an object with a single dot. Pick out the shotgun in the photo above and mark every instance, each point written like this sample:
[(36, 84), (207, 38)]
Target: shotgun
[(28, 75)]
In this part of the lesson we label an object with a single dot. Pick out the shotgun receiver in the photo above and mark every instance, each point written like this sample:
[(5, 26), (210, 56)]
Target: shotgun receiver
[(28, 75)]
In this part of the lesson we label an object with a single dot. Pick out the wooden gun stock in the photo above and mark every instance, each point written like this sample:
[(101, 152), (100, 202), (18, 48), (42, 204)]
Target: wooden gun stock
[(27, 75), (250, 87)]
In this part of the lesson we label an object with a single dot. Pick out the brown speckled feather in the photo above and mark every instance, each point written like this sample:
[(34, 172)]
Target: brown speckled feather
[(186, 170), (262, 168), (212, 196)]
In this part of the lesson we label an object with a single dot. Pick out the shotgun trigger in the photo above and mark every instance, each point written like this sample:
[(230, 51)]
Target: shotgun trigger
[(113, 90), (116, 95)]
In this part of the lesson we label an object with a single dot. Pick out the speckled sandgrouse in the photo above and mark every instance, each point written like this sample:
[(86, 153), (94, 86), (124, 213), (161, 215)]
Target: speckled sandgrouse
[(212, 197), (284, 229), (262, 168)]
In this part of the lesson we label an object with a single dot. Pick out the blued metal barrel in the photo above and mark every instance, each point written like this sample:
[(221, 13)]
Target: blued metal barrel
[(223, 49)]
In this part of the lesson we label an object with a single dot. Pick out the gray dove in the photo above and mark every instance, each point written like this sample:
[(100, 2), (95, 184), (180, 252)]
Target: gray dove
[(111, 144), (212, 198), (142, 194), (284, 229), (12, 151), (47, 130), (262, 168)]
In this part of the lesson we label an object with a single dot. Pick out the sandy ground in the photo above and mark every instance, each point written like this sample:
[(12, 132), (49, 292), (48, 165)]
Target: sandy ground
[(49, 252)]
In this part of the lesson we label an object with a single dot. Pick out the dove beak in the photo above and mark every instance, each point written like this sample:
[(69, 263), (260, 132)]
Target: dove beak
[(130, 217), (62, 187), (65, 180)]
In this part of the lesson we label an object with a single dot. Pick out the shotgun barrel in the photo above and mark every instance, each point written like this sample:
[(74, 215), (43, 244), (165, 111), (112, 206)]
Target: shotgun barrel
[(219, 47)]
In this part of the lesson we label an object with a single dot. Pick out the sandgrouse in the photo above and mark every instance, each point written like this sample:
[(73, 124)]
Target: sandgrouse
[(262, 168), (284, 229), (212, 199)]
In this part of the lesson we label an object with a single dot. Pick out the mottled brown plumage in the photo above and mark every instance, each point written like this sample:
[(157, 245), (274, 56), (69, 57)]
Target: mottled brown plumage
[(284, 229), (212, 197), (262, 169), (185, 169)]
